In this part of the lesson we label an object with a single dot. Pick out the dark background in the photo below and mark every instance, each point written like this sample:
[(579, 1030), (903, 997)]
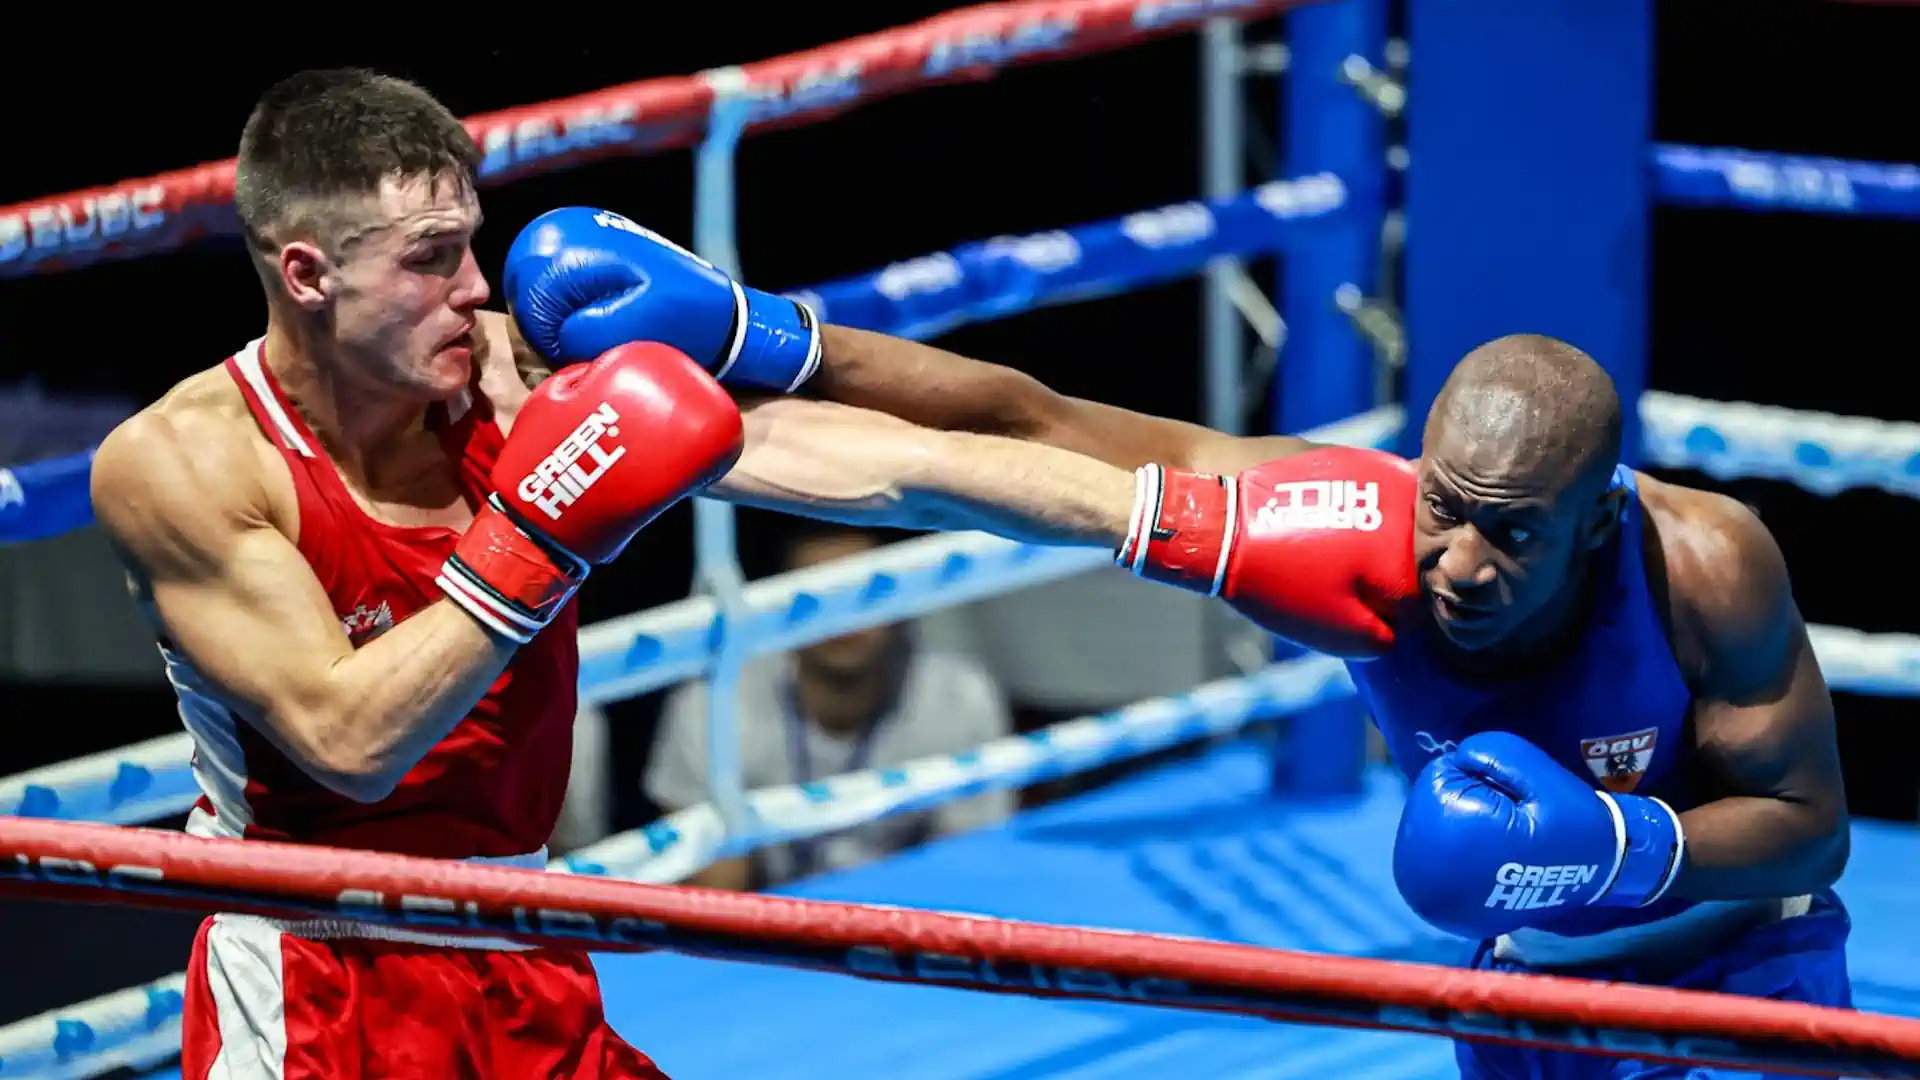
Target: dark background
[(1781, 309)]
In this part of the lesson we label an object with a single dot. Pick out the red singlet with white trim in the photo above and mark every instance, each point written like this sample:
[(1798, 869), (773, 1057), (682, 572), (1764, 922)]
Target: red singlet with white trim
[(494, 785)]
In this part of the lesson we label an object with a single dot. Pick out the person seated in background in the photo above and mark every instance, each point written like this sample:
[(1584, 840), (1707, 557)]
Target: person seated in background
[(868, 699), (587, 814)]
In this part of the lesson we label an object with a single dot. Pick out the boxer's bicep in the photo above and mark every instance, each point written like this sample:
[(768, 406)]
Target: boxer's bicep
[(939, 389), (1128, 440), (1764, 733), (230, 592), (1764, 717)]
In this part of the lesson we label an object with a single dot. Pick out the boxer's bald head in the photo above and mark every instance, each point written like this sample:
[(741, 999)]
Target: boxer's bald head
[(1516, 472), (1528, 407)]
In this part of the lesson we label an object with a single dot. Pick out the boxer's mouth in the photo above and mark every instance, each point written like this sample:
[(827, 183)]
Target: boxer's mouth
[(1452, 609)]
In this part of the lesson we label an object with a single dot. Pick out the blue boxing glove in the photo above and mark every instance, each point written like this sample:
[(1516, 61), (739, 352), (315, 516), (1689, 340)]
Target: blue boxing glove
[(1496, 836), (582, 281)]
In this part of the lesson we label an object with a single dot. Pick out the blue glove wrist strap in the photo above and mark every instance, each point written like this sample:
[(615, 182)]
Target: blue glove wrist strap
[(776, 342), (1653, 845)]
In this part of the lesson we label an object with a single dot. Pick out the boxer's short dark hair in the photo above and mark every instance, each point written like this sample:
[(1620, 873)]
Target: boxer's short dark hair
[(319, 138)]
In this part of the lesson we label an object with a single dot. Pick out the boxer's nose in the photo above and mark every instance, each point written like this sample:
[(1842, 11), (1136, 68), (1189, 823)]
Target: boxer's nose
[(1467, 563)]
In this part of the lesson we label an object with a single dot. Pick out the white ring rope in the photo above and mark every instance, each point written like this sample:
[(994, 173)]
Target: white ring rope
[(135, 1028), (1816, 451), (1880, 665), (686, 842)]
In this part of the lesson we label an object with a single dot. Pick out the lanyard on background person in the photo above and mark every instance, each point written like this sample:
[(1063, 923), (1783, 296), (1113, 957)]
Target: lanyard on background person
[(806, 852)]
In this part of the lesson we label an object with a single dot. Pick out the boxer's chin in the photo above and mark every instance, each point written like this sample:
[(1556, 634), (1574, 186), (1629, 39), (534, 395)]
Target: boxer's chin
[(449, 370)]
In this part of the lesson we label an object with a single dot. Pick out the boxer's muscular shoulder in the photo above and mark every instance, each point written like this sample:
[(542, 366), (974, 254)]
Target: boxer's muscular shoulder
[(1718, 554), (193, 464), (1725, 580)]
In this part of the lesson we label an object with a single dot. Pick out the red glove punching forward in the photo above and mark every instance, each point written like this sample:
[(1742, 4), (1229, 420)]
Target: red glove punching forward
[(597, 452), (1316, 548)]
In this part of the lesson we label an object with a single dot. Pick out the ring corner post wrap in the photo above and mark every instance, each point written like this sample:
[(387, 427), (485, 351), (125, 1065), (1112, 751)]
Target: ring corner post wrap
[(1529, 127), (1326, 370)]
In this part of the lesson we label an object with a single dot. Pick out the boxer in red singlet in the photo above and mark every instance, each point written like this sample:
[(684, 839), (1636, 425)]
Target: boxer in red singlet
[(349, 539), (351, 583)]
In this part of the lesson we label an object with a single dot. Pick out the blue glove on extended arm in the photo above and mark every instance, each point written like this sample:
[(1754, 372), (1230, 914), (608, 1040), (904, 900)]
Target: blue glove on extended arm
[(1496, 835), (580, 281)]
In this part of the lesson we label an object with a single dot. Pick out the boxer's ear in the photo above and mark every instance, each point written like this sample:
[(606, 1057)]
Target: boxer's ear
[(303, 273), (1604, 517)]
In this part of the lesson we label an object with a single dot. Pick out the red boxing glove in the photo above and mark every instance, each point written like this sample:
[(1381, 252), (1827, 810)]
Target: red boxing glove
[(597, 452), (1316, 548)]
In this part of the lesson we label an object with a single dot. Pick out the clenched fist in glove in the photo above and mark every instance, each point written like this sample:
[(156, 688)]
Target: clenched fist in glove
[(580, 281), (597, 452), (1496, 835), (1316, 548)]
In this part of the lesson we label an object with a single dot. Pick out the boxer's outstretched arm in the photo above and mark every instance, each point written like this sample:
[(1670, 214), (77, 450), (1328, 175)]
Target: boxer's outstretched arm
[(1763, 719), (825, 460), (183, 499), (939, 389)]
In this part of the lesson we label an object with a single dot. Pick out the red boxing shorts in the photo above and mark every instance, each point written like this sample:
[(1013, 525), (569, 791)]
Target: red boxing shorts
[(329, 1002)]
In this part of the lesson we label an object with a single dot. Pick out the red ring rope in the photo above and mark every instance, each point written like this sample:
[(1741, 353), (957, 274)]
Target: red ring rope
[(157, 213), (103, 863)]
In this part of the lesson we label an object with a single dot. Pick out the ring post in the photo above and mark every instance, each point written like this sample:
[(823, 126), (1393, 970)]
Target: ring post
[(1223, 150), (716, 557), (1329, 369), (1529, 186)]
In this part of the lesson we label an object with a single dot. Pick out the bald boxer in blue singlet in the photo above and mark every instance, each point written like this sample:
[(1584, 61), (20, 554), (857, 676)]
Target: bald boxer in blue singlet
[(1574, 629), (1620, 747), (1643, 639)]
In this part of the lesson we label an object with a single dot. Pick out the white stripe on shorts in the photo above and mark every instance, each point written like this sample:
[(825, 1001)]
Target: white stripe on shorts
[(249, 999)]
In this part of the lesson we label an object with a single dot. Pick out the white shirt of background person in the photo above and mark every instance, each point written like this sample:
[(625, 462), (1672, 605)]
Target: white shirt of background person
[(867, 699)]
